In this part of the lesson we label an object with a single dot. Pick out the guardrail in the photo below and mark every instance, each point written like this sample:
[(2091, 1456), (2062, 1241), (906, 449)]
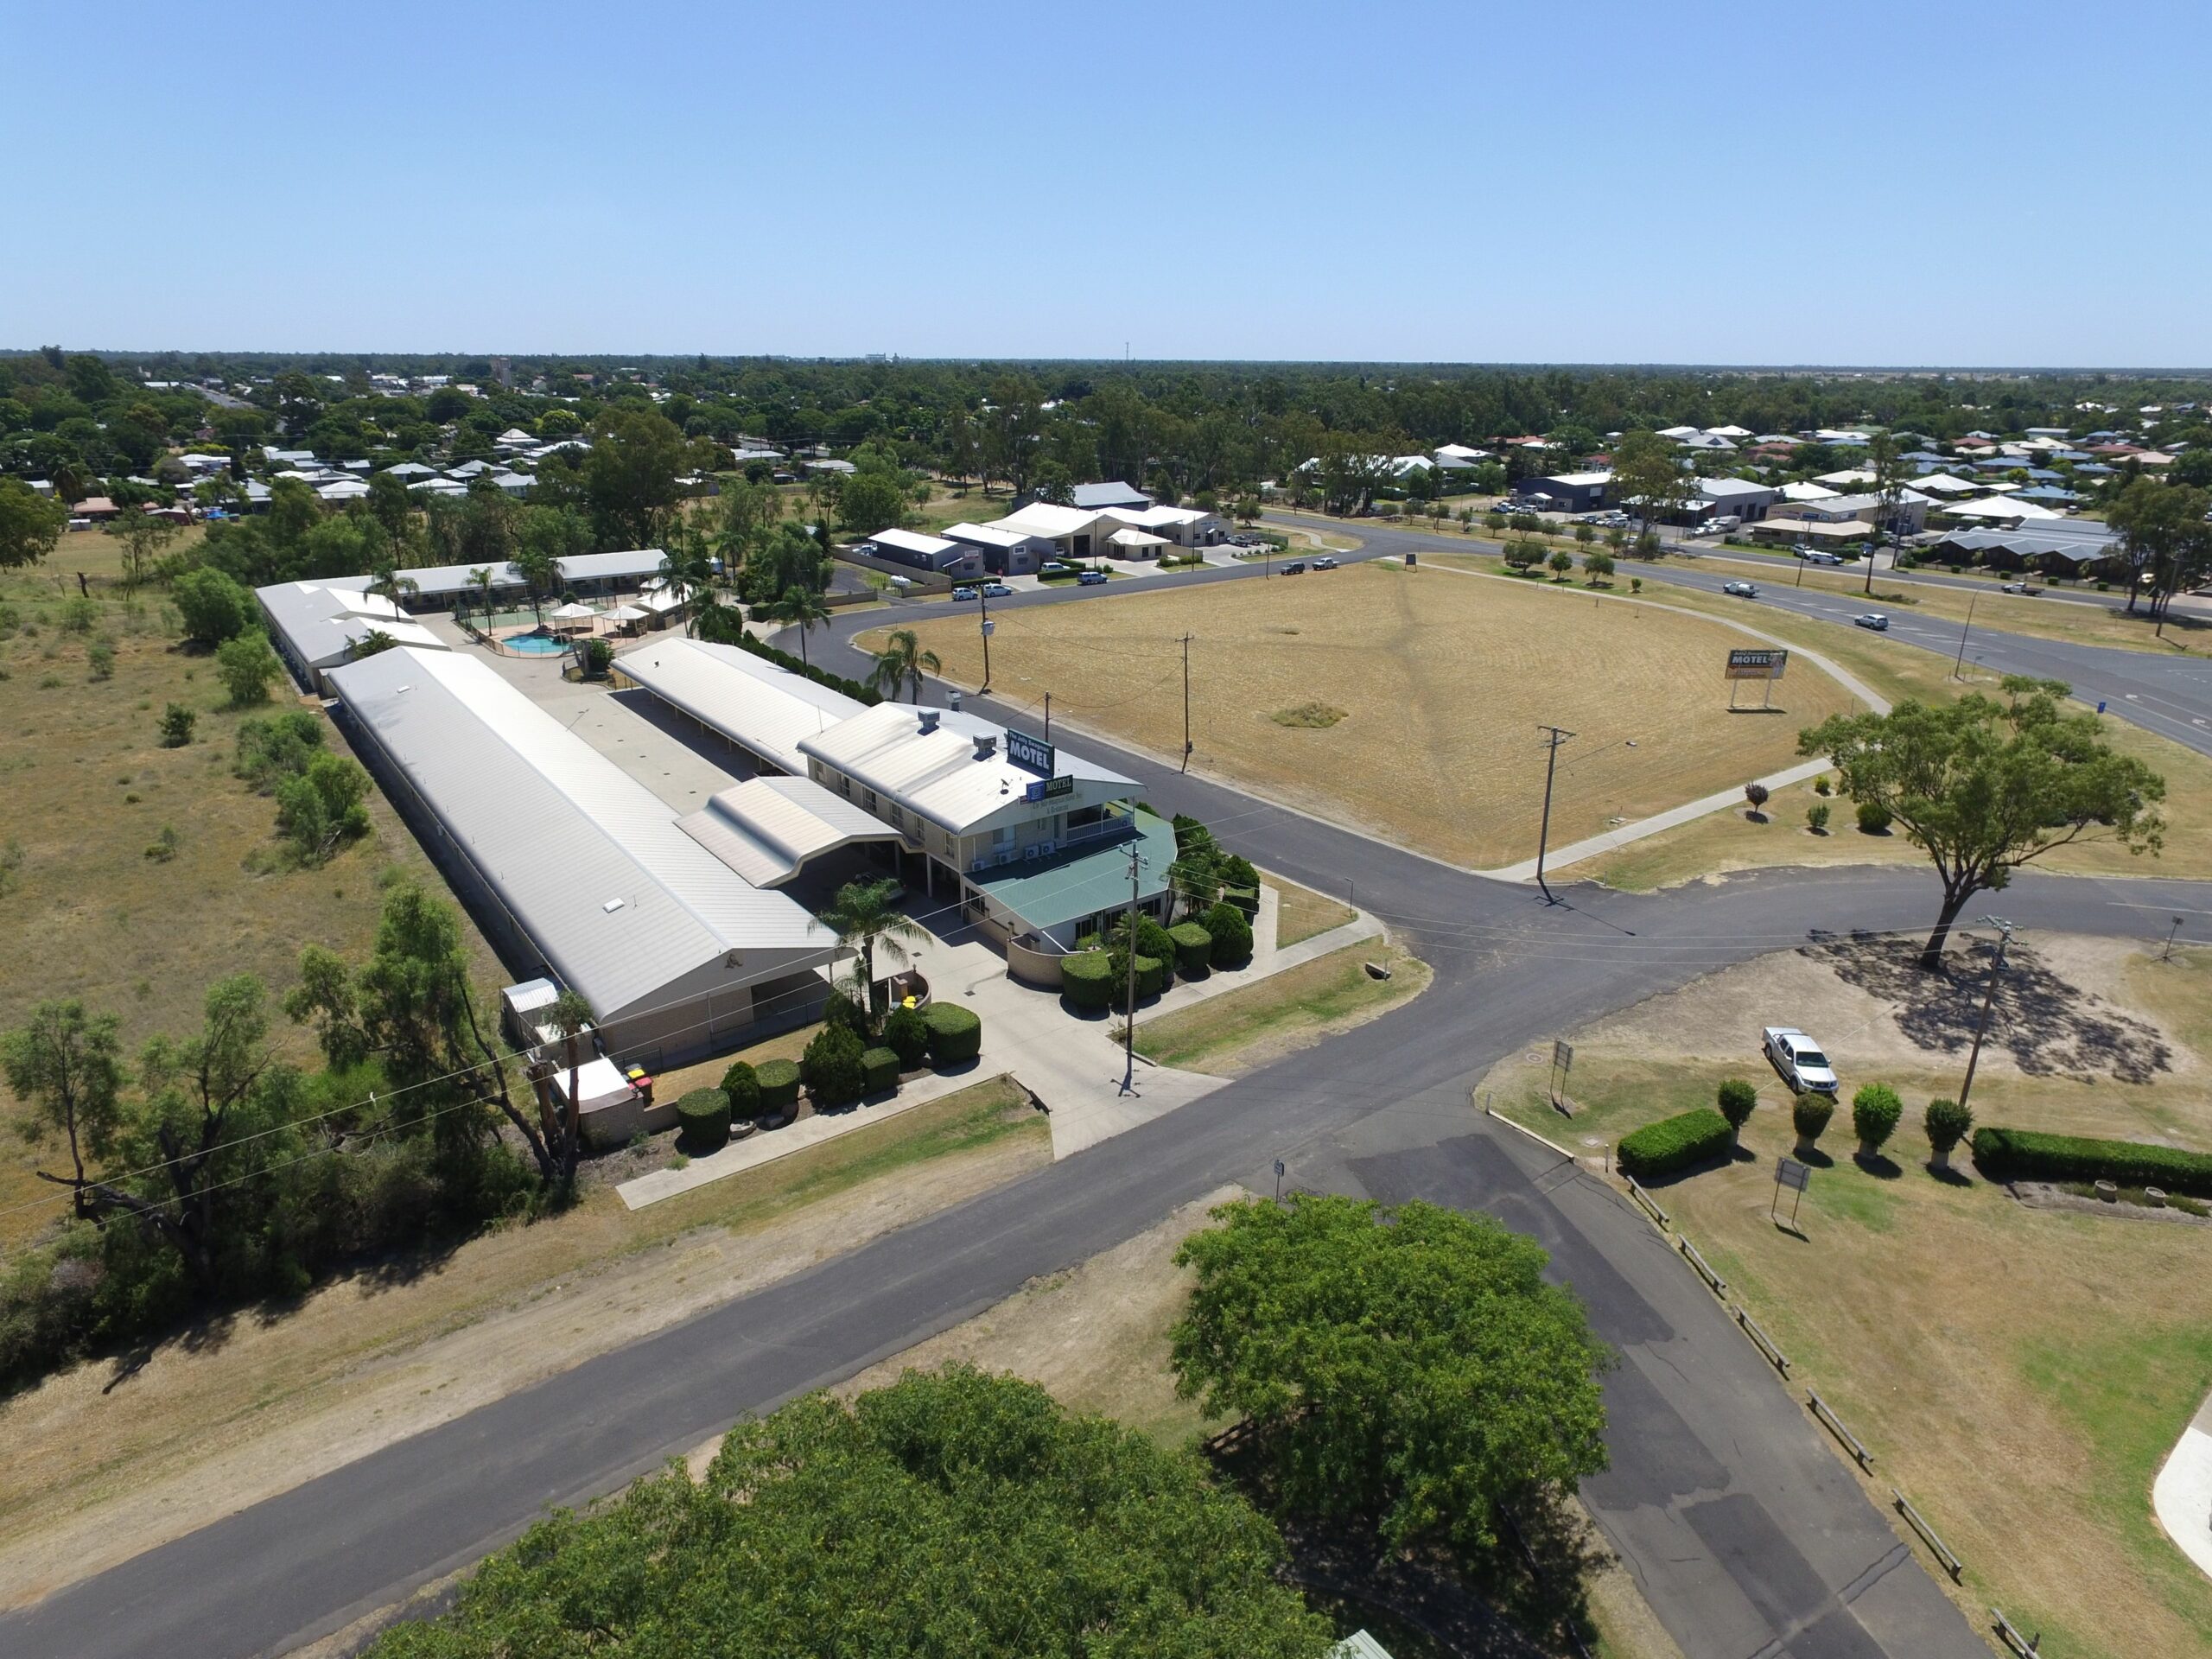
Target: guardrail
[(1763, 1342), (1704, 1267), (1821, 1409), (1649, 1202), (2012, 1638), (1951, 1563)]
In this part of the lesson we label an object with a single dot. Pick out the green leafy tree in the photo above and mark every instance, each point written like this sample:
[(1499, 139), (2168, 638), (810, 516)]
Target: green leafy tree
[(30, 525), (872, 501), (902, 658), (1562, 563), (1413, 1366), (951, 1512), (866, 918), (801, 607), (177, 723), (246, 666), (750, 513), (1984, 787), (211, 605), (321, 808), (66, 1066), (144, 537), (1875, 1110), (831, 1066), (1946, 1124), (630, 474)]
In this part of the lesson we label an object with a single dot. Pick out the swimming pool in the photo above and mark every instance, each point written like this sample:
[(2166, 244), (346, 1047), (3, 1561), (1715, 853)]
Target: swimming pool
[(535, 644)]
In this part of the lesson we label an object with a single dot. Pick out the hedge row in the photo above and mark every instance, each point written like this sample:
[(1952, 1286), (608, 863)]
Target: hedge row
[(1675, 1143), (1087, 979), (878, 1070), (778, 1081), (1193, 949), (852, 688), (2025, 1154)]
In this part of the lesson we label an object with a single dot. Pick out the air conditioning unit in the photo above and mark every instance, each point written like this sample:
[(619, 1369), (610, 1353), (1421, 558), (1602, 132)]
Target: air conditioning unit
[(977, 865), (1029, 854), (1044, 849), (1008, 856)]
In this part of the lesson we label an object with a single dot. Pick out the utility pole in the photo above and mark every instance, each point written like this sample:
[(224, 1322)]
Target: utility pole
[(2167, 955), (983, 592), (1988, 997), (1185, 766), (1969, 623), (1543, 835), (1129, 1019), (1048, 716)]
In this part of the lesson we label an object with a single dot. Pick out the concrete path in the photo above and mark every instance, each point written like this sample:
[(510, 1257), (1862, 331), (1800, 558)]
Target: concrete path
[(2182, 1495)]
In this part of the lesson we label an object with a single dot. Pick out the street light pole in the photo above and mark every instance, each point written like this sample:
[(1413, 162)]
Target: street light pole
[(1129, 1015), (1989, 997), (1543, 835), (984, 594), (1185, 766), (1960, 663)]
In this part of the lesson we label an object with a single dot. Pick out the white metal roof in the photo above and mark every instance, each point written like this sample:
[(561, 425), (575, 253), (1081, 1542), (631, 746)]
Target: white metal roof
[(1137, 538), (1153, 517), (912, 542), (1801, 491), (766, 827), (750, 701), (587, 860), (602, 567), (1724, 489), (1946, 484), (2000, 506), (1043, 518), (321, 623), (1847, 477), (984, 536), (943, 773)]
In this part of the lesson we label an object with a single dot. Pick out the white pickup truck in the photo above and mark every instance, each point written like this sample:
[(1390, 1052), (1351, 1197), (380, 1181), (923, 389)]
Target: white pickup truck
[(1799, 1059)]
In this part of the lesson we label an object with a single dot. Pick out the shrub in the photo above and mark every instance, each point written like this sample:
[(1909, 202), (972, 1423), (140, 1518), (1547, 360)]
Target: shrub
[(1873, 818), (246, 665), (1756, 794), (831, 1066), (99, 659), (212, 606), (1946, 1122), (321, 810), (1231, 933), (1154, 974), (1821, 786), (1193, 949), (1810, 1116), (1675, 1143), (956, 1034), (1152, 940), (778, 1081), (1087, 979), (177, 723), (1816, 817), (741, 1083), (880, 1070), (2025, 1154), (702, 1121), (907, 1035), (1736, 1100), (1875, 1110), (842, 1010), (277, 746)]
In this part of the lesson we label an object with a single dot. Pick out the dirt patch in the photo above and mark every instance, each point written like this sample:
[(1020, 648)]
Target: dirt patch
[(1309, 716), (193, 1435)]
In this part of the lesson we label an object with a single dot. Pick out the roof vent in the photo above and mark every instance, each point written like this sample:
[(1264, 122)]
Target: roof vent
[(987, 744), (612, 905), (929, 721)]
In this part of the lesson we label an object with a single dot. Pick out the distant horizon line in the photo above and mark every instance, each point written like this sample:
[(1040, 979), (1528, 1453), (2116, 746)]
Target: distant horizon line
[(886, 359)]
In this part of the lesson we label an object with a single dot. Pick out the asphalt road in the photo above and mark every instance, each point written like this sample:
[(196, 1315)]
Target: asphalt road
[(1747, 1534)]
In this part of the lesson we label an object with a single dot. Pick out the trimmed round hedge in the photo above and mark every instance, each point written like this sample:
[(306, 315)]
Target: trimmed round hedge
[(907, 1035), (878, 1070), (1087, 979), (1193, 949), (1154, 974), (1875, 1110), (702, 1121), (742, 1085), (778, 1081), (1231, 935), (956, 1034)]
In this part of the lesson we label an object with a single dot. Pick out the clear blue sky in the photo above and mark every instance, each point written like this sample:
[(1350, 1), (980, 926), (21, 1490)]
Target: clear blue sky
[(1686, 183)]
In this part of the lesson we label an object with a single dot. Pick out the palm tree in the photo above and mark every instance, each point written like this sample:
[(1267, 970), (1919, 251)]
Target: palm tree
[(481, 577), (902, 659), (688, 569), (539, 569), (571, 1016), (803, 607), (394, 587), (865, 918)]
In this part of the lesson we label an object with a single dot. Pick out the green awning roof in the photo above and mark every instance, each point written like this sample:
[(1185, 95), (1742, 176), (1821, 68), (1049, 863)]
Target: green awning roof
[(1073, 884)]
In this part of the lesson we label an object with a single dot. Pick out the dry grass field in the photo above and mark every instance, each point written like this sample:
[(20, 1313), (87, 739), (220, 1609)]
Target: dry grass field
[(1442, 681), (88, 790), (2019, 1373)]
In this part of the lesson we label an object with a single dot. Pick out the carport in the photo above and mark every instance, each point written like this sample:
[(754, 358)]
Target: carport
[(768, 828)]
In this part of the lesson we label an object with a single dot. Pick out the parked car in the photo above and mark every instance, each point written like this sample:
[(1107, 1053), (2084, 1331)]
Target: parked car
[(1799, 1059), (2018, 588), (963, 593), (1090, 579), (1876, 621), (1295, 568), (1325, 563), (997, 590), (1818, 555), (1741, 589), (1054, 567), (1725, 522)]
